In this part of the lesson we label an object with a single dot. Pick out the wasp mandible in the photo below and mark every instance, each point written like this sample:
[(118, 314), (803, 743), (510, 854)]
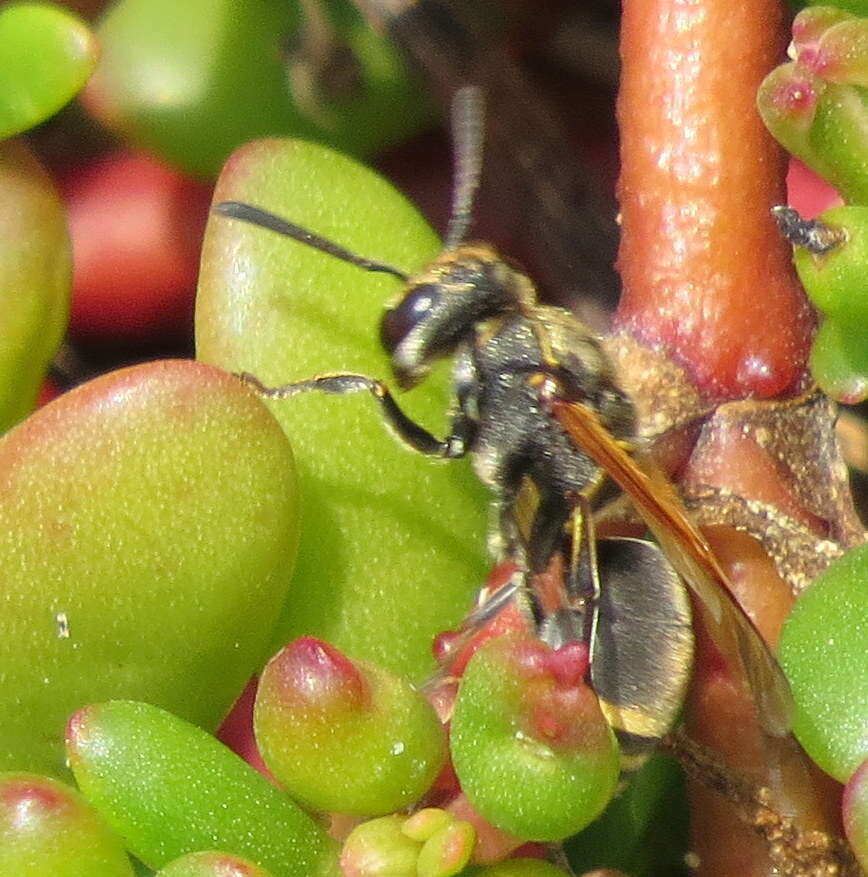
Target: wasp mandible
[(538, 409)]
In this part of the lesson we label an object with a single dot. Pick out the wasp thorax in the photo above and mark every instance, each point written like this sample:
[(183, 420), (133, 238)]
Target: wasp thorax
[(441, 307)]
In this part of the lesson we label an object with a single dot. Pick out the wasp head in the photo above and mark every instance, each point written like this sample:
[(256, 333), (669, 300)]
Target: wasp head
[(442, 306)]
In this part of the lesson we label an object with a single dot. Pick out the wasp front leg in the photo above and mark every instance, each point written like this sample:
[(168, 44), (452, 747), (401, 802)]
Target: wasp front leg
[(416, 437)]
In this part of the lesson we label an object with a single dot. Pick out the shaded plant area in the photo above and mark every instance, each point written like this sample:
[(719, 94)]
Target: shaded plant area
[(244, 631)]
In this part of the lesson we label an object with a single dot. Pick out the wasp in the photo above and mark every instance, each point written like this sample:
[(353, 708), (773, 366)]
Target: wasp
[(538, 408)]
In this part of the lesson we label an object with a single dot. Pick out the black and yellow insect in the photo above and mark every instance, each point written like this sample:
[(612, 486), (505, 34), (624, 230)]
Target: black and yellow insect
[(538, 409)]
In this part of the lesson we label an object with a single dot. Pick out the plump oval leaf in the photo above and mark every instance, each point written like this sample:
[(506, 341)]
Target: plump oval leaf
[(345, 736), (824, 652), (47, 57), (839, 360), (192, 81), (169, 788), (35, 276), (530, 746), (212, 864), (393, 544), (47, 828), (147, 533)]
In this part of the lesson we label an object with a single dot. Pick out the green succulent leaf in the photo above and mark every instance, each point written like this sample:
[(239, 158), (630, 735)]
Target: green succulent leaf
[(169, 788), (857, 7), (212, 864), (824, 652), (343, 736), (392, 546), (193, 81), (47, 828), (35, 278), (533, 752), (47, 55), (839, 360), (650, 818), (141, 516)]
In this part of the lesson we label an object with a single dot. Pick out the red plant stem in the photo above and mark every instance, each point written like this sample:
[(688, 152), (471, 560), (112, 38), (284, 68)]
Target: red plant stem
[(708, 279), (706, 275)]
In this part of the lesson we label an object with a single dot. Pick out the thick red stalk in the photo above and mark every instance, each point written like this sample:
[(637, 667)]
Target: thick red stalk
[(706, 275)]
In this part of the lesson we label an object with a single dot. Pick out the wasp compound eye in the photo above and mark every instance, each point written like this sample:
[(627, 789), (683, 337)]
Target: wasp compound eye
[(413, 309)]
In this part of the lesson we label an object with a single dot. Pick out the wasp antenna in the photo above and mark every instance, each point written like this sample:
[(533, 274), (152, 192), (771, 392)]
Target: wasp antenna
[(468, 117), (264, 219)]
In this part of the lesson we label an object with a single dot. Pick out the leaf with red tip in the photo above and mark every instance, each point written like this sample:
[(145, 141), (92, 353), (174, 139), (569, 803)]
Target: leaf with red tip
[(147, 532), (168, 788), (530, 745), (47, 828), (212, 864), (345, 736)]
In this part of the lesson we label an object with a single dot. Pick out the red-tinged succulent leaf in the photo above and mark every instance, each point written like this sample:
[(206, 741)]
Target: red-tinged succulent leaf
[(47, 828), (393, 544), (169, 788), (812, 22), (393, 846), (212, 864), (344, 736), (824, 652), (47, 57), (706, 274), (35, 269), (530, 746), (425, 823), (787, 102), (147, 532), (136, 228), (839, 52), (193, 81), (856, 813)]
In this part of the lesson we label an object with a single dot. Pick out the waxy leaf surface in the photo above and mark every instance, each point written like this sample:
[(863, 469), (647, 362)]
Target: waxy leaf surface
[(393, 544), (47, 57), (146, 538), (194, 80)]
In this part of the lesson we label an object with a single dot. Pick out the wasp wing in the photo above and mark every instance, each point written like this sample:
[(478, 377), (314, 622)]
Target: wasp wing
[(687, 550)]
